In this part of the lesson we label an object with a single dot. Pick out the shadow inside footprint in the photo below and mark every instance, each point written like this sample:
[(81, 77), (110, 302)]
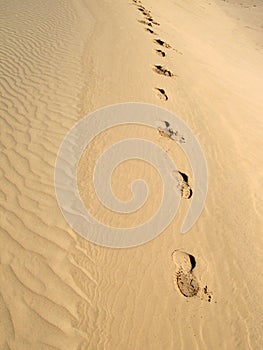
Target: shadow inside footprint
[(192, 261), (162, 94), (184, 176), (160, 53), (150, 30)]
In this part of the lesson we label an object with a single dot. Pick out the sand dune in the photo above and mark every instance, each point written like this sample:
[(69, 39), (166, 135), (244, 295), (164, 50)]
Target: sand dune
[(60, 60)]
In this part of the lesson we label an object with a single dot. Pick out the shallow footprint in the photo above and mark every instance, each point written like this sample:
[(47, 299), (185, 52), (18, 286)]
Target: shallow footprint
[(167, 131), (184, 279)]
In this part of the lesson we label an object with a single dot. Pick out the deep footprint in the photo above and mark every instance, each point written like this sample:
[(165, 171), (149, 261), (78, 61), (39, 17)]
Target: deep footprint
[(161, 94), (160, 53), (186, 191), (162, 43), (184, 279), (161, 70)]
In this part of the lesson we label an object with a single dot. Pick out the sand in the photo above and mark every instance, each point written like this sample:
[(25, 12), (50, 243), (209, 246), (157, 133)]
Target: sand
[(60, 60)]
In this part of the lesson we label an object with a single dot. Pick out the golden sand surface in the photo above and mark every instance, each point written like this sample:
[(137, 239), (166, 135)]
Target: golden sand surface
[(63, 59)]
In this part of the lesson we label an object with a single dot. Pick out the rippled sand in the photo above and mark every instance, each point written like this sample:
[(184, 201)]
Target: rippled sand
[(60, 60)]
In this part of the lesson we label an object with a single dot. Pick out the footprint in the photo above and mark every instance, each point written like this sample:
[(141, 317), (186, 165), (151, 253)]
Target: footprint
[(160, 53), (146, 23), (150, 31), (162, 43), (150, 19), (167, 131), (161, 94), (182, 185), (145, 12), (141, 8), (186, 191), (184, 279), (161, 70)]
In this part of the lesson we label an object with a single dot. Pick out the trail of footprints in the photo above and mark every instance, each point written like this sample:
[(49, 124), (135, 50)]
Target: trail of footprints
[(149, 24), (185, 280)]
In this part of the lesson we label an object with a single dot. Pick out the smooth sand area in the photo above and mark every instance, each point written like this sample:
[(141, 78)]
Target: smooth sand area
[(62, 59)]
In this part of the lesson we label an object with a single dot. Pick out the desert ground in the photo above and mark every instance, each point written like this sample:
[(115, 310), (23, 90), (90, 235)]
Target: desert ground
[(63, 59)]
